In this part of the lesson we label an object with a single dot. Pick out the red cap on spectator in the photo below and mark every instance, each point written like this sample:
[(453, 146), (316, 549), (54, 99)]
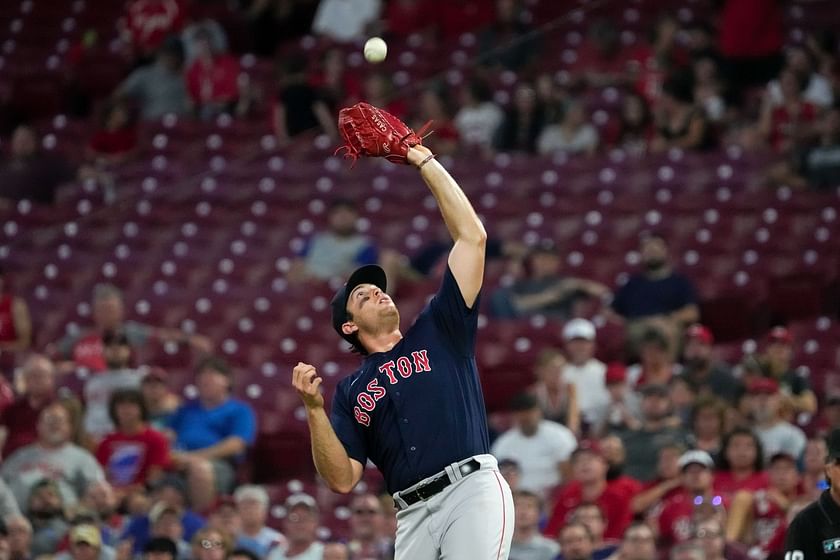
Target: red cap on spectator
[(616, 373), (780, 334), (588, 446), (701, 333), (763, 385)]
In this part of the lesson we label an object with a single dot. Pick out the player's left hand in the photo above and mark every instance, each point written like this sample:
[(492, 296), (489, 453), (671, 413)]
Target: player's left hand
[(372, 132)]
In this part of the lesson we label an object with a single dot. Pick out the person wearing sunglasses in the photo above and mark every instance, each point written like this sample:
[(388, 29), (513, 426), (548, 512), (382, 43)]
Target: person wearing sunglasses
[(367, 527), (815, 532)]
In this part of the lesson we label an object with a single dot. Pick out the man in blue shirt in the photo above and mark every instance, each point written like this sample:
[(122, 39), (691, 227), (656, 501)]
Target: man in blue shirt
[(212, 434), (415, 407)]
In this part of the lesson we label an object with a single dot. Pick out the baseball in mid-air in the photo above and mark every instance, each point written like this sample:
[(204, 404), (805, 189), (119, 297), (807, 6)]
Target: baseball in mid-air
[(375, 50)]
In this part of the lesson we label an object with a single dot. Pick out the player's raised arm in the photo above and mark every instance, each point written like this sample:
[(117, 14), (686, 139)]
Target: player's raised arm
[(331, 460), (466, 260)]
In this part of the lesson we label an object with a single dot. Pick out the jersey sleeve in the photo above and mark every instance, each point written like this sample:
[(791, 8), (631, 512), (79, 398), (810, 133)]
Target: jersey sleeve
[(344, 425), (452, 315), (801, 542)]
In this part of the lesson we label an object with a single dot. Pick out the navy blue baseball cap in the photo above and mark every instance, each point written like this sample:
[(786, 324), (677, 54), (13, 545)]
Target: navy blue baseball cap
[(368, 274)]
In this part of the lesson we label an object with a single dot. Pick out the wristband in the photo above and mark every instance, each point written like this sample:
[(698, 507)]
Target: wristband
[(425, 161)]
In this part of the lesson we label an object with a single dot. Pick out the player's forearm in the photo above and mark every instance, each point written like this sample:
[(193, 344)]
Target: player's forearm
[(458, 214), (330, 457)]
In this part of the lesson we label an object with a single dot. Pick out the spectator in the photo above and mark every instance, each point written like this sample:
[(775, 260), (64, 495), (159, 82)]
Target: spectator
[(656, 364), (213, 80), (86, 544), (245, 554), (161, 403), (479, 116), (389, 512), (700, 38), (29, 173), (541, 446), (160, 548), (159, 88), (15, 322), (708, 92), (741, 463), (337, 86), (378, 90), (683, 395), (592, 517), (168, 495), (210, 544), (344, 21), (509, 42), (543, 289), (622, 409), (634, 131), (20, 537), (366, 524), (210, 29), (658, 294), (637, 543), (299, 107), (224, 517), (336, 551), (710, 534), (778, 358), (786, 124), (689, 550), (573, 135), (52, 456), (657, 58), (522, 124), (85, 348), (678, 512), (556, 398), (8, 504), (816, 89), (708, 420), (339, 249), (813, 468), (817, 165), (212, 433), (755, 517), (45, 509), (20, 418), (119, 375), (252, 502), (134, 454), (601, 60), (146, 25), (657, 430), (776, 434), (588, 484), (272, 21), (436, 108), (576, 542), (300, 527), (751, 45), (99, 504), (680, 123), (166, 523), (511, 472), (115, 140), (613, 451), (666, 485), (710, 377), (528, 543)]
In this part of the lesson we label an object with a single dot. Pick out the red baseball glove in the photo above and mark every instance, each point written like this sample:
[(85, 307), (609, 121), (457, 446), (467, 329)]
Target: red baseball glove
[(372, 132)]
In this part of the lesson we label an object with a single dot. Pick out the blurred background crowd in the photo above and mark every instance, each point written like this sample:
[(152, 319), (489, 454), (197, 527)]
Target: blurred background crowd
[(660, 321)]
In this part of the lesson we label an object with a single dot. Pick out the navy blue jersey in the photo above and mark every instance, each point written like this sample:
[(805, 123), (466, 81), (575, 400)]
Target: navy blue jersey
[(417, 408)]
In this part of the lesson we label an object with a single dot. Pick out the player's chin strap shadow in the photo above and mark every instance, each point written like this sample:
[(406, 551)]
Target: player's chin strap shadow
[(353, 153)]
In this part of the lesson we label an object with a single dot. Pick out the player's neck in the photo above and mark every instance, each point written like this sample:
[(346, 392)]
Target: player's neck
[(383, 342)]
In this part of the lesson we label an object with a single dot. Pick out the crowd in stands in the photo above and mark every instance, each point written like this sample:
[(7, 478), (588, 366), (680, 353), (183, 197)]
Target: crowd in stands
[(670, 453)]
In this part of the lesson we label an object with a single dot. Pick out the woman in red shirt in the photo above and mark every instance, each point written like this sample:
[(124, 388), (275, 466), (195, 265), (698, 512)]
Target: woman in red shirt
[(212, 79), (116, 138), (741, 464), (784, 126), (134, 454)]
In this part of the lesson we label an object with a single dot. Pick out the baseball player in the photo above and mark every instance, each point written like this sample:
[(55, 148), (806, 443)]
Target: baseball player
[(414, 407)]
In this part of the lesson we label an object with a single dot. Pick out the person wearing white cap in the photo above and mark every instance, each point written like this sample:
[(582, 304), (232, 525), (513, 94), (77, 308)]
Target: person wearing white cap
[(584, 371), (252, 503), (301, 528)]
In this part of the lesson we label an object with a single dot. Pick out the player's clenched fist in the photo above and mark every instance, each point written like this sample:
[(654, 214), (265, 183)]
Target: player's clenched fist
[(308, 385)]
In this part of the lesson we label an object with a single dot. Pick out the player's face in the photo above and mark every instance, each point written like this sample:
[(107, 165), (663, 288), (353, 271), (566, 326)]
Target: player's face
[(372, 309), (783, 475)]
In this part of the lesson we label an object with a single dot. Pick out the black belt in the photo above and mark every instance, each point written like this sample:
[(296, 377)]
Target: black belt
[(436, 485)]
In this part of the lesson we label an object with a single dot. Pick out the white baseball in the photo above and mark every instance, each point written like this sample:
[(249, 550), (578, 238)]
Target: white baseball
[(375, 50)]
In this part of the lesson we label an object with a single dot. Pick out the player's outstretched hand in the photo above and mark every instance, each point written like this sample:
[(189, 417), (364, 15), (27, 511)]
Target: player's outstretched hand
[(308, 385), (372, 132)]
